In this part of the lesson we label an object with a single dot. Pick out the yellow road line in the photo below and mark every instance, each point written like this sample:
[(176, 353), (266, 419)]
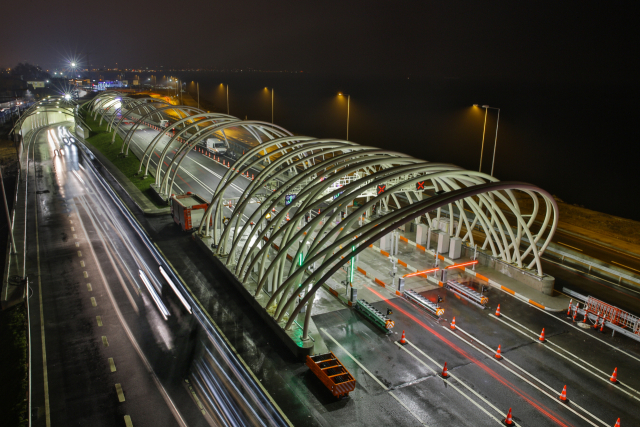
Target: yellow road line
[(569, 246), (81, 263), (112, 364), (99, 320), (75, 236), (120, 393), (73, 229), (127, 421), (77, 244), (104, 341), (79, 253), (85, 274), (625, 266), (93, 302), (89, 287)]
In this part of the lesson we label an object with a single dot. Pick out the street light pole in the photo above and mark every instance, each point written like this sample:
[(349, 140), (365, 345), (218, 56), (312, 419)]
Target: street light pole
[(495, 144), (484, 129), (348, 102), (227, 99), (271, 105)]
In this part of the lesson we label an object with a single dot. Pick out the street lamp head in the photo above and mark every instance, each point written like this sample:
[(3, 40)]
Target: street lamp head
[(339, 93), (475, 105), (485, 106)]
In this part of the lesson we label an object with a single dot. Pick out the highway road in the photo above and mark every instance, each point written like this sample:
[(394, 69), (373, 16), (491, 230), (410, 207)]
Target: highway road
[(400, 385), (114, 341)]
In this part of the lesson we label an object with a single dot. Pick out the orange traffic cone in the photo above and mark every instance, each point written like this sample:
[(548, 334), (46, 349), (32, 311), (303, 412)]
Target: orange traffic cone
[(602, 325), (542, 336), (614, 376), (569, 309), (585, 316), (617, 423), (508, 421), (575, 313), (288, 216), (595, 325), (403, 340), (444, 373), (251, 177), (498, 311), (453, 323), (563, 395), (498, 353)]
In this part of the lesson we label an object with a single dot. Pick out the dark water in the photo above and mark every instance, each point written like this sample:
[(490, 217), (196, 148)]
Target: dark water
[(573, 139)]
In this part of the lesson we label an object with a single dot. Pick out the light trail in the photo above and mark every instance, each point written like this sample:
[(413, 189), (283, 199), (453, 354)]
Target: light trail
[(530, 400)]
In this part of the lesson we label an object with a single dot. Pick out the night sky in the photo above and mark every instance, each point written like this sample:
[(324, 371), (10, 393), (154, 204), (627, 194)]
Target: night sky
[(454, 39)]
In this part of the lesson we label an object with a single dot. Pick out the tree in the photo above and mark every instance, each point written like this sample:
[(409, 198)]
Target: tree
[(26, 71)]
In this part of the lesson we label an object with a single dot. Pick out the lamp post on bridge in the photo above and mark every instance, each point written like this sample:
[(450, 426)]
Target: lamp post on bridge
[(348, 102), (495, 144)]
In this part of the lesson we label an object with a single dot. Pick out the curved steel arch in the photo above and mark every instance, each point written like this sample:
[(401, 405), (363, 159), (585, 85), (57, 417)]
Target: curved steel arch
[(137, 103), (210, 130), (147, 107), (370, 166), (203, 118)]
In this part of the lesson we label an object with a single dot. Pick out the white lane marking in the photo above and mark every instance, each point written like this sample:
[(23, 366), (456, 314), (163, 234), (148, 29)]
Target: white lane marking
[(586, 333), (498, 410), (569, 246), (78, 176), (134, 343), (449, 383), (407, 408), (625, 266), (504, 359), (372, 376), (355, 360), (607, 376)]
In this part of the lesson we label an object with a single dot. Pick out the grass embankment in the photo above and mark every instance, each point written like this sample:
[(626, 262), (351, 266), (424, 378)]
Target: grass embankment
[(13, 360), (101, 140)]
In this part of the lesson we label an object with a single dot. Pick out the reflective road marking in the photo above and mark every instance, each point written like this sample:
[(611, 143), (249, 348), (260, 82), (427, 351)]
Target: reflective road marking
[(120, 393), (104, 341), (89, 287), (112, 365), (99, 320), (93, 302)]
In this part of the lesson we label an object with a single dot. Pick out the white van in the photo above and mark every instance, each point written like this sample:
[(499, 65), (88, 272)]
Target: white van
[(164, 123), (215, 145)]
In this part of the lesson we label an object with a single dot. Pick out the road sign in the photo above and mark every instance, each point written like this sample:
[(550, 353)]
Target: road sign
[(420, 185), (289, 198), (381, 188)]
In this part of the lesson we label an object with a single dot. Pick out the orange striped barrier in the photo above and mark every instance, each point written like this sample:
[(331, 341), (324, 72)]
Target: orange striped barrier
[(380, 282)]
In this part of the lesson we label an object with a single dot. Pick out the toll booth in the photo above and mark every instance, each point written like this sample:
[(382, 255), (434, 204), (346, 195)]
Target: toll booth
[(188, 209)]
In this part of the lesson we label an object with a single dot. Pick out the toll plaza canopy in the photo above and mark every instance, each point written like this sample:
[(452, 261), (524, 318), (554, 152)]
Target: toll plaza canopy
[(312, 205)]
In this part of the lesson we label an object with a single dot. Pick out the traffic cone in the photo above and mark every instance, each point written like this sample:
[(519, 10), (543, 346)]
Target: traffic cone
[(403, 340), (453, 323), (251, 177), (498, 354), (508, 421), (575, 313), (614, 376), (617, 423), (563, 395), (498, 311), (602, 326), (585, 316), (542, 336), (288, 216), (569, 309), (444, 373), (595, 325)]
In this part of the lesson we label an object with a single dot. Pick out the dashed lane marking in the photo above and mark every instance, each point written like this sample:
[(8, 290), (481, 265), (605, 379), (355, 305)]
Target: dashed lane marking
[(569, 246), (112, 364), (93, 302), (127, 421), (85, 274), (99, 320), (75, 236), (625, 266), (77, 244), (89, 288), (79, 253), (81, 263), (120, 393), (73, 229), (105, 341)]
